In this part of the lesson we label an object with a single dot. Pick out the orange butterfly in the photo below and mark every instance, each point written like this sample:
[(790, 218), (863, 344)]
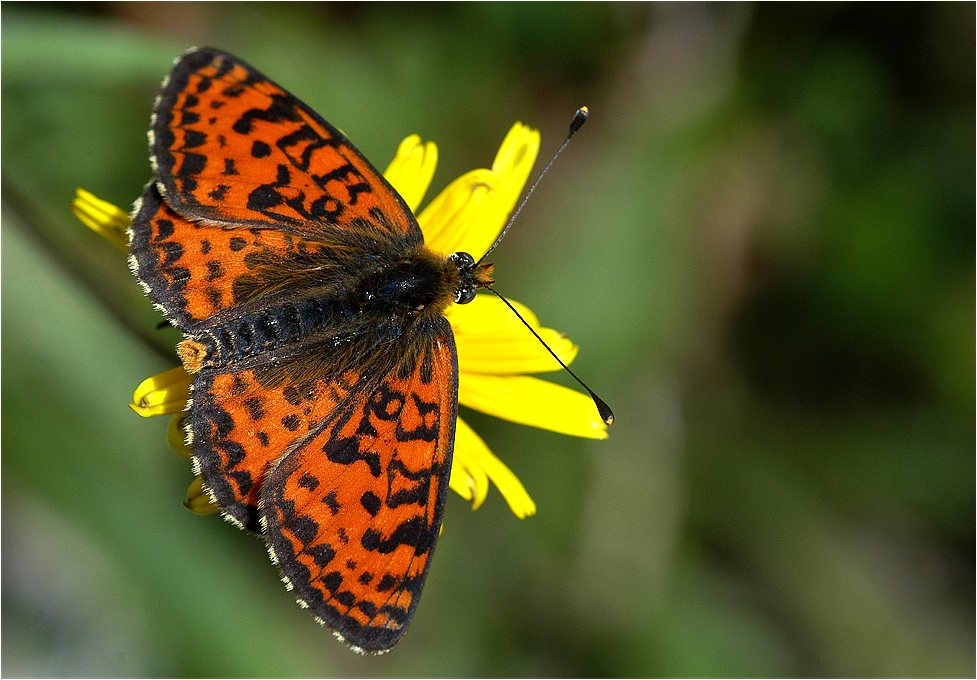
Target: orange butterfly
[(325, 386)]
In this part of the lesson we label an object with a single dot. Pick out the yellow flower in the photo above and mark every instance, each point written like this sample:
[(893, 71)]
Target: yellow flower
[(495, 351), (102, 217)]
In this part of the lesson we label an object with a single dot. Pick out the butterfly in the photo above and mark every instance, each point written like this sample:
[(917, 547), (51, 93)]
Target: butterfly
[(325, 375)]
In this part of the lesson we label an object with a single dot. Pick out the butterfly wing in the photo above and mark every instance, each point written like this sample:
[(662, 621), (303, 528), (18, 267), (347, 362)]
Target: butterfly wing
[(352, 512), (232, 147), (193, 270), (240, 426), (346, 464), (219, 205)]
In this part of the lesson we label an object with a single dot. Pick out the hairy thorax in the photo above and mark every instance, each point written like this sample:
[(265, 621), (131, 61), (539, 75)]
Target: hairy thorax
[(422, 283)]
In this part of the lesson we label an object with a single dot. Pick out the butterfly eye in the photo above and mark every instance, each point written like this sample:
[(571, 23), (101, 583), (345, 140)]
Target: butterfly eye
[(462, 260), (465, 294)]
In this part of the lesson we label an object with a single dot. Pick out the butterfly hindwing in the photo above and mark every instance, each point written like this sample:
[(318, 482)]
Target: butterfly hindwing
[(240, 426), (194, 270), (352, 515), (233, 147)]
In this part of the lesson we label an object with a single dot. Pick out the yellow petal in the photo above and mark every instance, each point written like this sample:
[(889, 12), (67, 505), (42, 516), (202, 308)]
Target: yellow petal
[(468, 479), (412, 169), (486, 313), (198, 500), (492, 339), (514, 162), (102, 217), (453, 217), (534, 402), (469, 214), (473, 456), (162, 394), (176, 437)]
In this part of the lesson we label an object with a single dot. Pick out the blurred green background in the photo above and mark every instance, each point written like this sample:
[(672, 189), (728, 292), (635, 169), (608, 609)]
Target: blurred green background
[(763, 242)]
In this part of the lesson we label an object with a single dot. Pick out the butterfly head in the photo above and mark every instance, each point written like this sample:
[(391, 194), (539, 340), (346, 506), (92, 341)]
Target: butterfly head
[(472, 276)]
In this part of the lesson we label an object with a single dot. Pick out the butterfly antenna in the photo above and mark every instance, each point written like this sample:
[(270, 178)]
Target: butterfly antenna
[(606, 414), (579, 118)]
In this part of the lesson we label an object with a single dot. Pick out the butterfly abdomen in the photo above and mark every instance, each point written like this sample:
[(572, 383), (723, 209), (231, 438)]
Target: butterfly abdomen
[(262, 332), (390, 296)]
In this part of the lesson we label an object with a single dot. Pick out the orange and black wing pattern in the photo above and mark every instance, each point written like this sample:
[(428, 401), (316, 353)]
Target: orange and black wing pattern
[(195, 270), (346, 478), (244, 170), (323, 404), (353, 514), (232, 147)]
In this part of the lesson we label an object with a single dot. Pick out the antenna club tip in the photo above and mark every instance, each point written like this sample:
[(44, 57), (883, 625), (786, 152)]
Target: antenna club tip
[(606, 414), (579, 118)]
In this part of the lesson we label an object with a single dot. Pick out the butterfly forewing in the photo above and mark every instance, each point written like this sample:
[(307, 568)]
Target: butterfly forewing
[(233, 147)]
